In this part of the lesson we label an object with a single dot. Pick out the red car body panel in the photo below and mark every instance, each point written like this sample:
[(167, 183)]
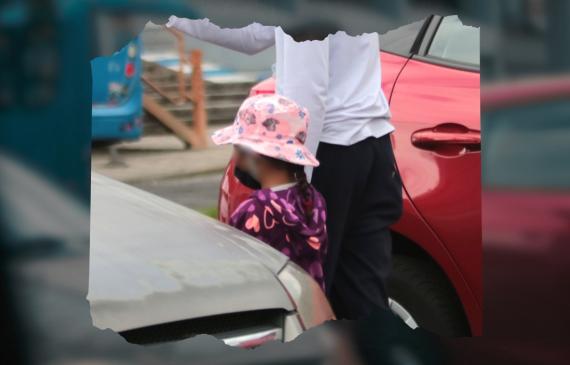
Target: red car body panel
[(525, 91), (392, 66), (526, 234), (526, 255), (441, 188), (509, 226), (442, 175)]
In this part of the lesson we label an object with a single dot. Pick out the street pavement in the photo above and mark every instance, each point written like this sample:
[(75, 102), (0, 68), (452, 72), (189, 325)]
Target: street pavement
[(156, 158), (163, 166), (196, 192)]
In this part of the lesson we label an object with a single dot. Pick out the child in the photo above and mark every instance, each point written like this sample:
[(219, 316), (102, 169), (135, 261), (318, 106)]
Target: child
[(287, 213)]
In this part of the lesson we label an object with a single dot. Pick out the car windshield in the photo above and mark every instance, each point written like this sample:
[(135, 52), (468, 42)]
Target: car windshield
[(527, 147)]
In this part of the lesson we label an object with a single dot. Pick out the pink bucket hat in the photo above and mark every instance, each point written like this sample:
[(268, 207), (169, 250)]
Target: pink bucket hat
[(271, 125)]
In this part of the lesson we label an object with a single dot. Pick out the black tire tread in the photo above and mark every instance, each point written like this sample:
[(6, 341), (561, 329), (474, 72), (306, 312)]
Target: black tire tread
[(425, 292)]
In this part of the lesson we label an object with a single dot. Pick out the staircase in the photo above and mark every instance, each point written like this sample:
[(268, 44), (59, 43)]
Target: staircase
[(222, 99)]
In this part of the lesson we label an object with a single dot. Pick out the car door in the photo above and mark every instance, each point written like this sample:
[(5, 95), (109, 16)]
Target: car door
[(435, 108)]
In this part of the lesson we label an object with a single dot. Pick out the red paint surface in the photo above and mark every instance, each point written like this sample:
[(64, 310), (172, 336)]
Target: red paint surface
[(443, 180), (525, 91), (526, 263)]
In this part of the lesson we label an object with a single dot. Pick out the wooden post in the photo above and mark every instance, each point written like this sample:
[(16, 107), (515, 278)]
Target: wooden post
[(199, 116)]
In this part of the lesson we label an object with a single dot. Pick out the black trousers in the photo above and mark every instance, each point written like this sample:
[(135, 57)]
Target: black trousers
[(363, 192)]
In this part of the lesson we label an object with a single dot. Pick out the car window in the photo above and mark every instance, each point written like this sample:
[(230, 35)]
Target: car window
[(527, 147), (400, 40), (456, 42)]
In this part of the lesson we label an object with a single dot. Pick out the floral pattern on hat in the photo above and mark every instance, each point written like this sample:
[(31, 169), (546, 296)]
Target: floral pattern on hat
[(271, 125)]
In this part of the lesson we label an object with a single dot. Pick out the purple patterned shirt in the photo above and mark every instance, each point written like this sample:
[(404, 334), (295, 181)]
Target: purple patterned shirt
[(278, 218)]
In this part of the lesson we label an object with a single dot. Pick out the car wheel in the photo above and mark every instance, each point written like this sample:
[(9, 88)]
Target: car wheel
[(420, 295)]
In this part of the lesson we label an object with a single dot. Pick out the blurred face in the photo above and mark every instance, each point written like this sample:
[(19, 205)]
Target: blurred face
[(249, 162)]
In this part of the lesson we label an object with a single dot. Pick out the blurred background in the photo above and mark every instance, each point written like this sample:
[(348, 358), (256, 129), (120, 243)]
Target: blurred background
[(54, 60)]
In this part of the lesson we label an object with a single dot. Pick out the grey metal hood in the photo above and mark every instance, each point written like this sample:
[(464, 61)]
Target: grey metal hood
[(153, 261)]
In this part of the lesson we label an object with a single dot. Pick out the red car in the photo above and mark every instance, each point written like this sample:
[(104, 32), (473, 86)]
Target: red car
[(430, 75), (526, 206)]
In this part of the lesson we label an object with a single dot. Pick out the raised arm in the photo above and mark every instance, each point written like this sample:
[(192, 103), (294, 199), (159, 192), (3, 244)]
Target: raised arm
[(250, 39)]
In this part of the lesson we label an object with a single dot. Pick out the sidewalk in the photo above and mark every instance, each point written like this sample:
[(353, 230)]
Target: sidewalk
[(158, 157)]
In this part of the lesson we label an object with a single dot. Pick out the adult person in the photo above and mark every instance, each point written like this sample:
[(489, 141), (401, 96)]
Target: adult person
[(338, 79)]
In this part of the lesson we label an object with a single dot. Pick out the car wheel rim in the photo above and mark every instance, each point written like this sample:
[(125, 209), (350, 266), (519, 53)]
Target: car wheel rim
[(401, 312)]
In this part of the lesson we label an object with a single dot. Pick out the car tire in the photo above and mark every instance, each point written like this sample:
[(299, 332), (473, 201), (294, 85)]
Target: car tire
[(423, 291)]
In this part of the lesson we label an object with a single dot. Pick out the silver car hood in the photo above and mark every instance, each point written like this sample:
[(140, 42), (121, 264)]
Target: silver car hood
[(153, 261)]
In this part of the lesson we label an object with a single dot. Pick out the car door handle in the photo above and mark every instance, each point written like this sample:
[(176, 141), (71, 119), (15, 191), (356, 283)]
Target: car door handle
[(447, 135)]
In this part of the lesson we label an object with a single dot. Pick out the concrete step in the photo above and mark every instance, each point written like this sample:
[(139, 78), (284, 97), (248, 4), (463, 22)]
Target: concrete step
[(210, 95), (211, 104), (222, 99)]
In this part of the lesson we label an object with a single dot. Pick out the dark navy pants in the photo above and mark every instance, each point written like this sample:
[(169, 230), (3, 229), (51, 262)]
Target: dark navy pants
[(363, 192)]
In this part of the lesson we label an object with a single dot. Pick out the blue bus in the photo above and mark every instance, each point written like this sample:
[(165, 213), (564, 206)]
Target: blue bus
[(117, 95)]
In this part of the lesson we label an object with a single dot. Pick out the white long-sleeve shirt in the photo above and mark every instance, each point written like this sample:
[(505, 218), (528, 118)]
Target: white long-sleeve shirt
[(338, 79)]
